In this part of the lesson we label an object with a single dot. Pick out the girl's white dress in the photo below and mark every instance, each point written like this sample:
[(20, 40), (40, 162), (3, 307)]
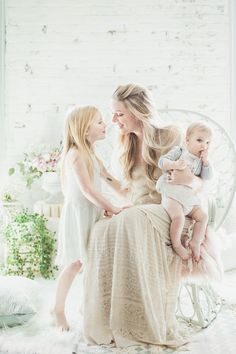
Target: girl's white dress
[(78, 216)]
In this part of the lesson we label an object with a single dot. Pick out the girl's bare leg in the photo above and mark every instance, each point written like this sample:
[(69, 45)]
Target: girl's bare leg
[(199, 230), (175, 211), (63, 286)]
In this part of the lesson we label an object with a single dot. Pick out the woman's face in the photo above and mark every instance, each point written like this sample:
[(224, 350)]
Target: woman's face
[(125, 120)]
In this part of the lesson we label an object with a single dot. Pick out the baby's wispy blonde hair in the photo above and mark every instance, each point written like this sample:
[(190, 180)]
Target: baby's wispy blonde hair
[(198, 126)]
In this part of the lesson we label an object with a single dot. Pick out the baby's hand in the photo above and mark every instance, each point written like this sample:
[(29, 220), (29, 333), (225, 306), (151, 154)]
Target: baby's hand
[(204, 157), (180, 164)]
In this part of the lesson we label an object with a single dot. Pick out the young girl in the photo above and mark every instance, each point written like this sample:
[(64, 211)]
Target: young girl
[(83, 201), (179, 200)]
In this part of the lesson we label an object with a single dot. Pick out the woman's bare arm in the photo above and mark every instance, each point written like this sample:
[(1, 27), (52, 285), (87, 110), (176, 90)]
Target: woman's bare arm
[(112, 182)]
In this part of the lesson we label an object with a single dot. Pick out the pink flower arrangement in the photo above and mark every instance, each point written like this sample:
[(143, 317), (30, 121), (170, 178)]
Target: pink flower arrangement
[(35, 164), (47, 162)]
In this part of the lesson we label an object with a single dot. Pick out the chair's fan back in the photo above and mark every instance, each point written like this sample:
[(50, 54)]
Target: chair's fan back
[(222, 155)]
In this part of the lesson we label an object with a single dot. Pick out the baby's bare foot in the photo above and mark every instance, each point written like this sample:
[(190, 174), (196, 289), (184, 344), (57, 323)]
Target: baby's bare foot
[(195, 248), (60, 320), (182, 252)]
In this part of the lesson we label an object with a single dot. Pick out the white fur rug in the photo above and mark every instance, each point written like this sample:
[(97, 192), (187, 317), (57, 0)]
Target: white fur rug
[(40, 337)]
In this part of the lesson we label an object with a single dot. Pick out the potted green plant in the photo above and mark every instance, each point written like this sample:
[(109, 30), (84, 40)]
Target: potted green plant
[(30, 246)]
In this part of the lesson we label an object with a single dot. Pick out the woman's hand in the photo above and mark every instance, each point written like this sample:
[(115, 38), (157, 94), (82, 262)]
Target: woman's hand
[(116, 211), (185, 177), (180, 164), (126, 206)]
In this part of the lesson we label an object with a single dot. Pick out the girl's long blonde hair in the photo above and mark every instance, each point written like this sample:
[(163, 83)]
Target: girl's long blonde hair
[(155, 141), (77, 123)]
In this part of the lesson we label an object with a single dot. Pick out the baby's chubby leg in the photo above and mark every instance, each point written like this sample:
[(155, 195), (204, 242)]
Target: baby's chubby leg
[(175, 211), (199, 230)]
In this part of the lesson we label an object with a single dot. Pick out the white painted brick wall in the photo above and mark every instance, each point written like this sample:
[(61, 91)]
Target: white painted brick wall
[(61, 52)]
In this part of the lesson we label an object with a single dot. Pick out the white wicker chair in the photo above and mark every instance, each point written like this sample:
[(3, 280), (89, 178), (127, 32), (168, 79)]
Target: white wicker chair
[(199, 304)]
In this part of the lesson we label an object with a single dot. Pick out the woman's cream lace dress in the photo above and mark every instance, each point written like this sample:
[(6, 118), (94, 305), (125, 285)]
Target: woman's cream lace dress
[(132, 276)]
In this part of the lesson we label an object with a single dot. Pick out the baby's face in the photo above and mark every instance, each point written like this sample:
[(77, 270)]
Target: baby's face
[(198, 141)]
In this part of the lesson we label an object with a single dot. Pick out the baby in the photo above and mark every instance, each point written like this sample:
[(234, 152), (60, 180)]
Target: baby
[(180, 200)]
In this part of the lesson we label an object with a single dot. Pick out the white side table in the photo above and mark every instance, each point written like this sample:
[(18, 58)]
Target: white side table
[(51, 211)]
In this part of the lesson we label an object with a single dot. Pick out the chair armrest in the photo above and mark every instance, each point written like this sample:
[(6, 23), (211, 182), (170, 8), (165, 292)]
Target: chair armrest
[(211, 212)]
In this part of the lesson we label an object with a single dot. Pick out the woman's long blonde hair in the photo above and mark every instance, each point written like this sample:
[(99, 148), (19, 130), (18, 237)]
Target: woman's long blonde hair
[(155, 141), (77, 123)]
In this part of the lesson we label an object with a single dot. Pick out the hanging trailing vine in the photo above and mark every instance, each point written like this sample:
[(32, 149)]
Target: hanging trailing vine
[(30, 246)]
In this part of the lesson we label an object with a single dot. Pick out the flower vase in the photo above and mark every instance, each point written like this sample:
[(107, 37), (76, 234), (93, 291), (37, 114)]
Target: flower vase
[(51, 184)]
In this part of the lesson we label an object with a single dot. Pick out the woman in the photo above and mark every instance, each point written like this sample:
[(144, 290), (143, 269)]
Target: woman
[(133, 275)]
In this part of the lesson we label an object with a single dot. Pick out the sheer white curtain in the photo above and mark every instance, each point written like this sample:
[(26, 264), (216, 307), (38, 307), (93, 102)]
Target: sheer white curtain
[(230, 222), (233, 68), (2, 81)]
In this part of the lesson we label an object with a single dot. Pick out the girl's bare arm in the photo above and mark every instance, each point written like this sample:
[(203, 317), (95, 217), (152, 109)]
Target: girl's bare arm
[(87, 188)]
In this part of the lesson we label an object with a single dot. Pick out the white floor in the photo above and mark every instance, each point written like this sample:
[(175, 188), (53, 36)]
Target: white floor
[(219, 337), (42, 338)]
